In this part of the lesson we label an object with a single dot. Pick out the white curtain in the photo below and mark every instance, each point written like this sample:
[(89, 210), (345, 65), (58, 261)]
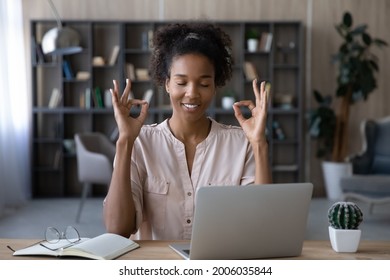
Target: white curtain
[(14, 109)]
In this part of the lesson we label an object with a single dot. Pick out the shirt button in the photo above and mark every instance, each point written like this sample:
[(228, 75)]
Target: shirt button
[(189, 193), (188, 221)]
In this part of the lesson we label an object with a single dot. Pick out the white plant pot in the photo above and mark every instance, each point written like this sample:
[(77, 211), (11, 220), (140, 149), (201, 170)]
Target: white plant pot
[(333, 171), (253, 45), (344, 240), (227, 102)]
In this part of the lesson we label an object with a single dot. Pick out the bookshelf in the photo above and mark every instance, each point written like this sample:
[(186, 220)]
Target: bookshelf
[(81, 104)]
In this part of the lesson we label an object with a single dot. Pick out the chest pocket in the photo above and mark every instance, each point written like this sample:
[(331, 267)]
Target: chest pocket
[(155, 203)]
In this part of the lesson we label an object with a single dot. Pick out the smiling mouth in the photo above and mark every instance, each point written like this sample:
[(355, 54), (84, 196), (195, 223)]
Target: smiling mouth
[(190, 106)]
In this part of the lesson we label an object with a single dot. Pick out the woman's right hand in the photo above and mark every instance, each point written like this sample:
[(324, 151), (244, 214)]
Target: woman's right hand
[(129, 127)]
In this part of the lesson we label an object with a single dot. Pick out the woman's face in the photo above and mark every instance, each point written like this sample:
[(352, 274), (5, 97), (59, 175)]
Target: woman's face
[(191, 86)]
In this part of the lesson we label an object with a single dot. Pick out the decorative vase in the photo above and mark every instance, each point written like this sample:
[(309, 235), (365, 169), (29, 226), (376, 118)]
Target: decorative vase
[(333, 171), (344, 240), (253, 45), (227, 102)]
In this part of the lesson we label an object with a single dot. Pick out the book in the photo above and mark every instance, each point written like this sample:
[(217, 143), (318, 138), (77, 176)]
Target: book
[(268, 43), (98, 99), (114, 55), (82, 100), (265, 41), (107, 246), (148, 95), (107, 99), (68, 72), (250, 71), (55, 98), (150, 39), (88, 98), (130, 73)]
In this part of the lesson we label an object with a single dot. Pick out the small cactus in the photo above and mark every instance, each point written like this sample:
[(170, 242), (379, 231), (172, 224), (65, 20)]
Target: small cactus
[(345, 215)]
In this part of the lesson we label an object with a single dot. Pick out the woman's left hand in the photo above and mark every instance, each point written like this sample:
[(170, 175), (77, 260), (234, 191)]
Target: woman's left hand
[(254, 127)]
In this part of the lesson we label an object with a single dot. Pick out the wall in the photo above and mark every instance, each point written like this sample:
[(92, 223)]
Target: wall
[(318, 16)]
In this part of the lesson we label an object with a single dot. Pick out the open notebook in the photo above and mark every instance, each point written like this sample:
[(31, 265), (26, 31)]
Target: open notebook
[(106, 246), (248, 222)]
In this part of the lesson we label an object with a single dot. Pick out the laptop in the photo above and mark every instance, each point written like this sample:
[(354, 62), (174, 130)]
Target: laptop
[(248, 222)]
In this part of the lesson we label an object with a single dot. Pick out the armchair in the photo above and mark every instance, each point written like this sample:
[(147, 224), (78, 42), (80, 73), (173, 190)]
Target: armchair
[(95, 155), (370, 181)]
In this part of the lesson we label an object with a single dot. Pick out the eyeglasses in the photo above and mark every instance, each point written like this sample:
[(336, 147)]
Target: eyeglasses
[(55, 239)]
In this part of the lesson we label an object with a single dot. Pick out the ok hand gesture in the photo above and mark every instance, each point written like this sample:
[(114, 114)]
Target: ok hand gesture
[(254, 127), (128, 126)]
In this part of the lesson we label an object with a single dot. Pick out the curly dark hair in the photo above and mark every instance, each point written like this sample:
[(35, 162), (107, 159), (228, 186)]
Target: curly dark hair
[(186, 38)]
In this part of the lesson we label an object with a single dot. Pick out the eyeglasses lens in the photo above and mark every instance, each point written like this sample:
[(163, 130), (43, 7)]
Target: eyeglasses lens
[(52, 235), (71, 234)]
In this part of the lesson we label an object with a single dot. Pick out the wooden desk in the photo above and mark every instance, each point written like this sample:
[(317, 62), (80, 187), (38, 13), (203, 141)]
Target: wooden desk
[(159, 250)]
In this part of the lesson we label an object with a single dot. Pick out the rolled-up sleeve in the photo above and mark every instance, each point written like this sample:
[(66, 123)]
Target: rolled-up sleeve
[(137, 191)]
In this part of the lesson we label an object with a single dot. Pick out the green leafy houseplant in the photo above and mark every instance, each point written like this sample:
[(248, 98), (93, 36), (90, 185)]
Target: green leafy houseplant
[(229, 93), (356, 79), (252, 39), (322, 124), (252, 33)]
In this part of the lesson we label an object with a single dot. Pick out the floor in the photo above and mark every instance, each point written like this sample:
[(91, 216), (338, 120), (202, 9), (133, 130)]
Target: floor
[(31, 220)]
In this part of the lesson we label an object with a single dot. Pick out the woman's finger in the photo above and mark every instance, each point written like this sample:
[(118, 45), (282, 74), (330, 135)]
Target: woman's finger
[(114, 97), (256, 91), (238, 114), (144, 112), (245, 103), (126, 92), (136, 102), (267, 89), (116, 86)]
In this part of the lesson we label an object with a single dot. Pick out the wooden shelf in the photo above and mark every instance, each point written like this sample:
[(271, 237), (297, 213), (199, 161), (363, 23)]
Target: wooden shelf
[(282, 66)]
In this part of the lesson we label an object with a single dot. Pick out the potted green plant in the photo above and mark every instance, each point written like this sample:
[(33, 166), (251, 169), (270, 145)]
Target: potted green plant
[(344, 220), (228, 98), (252, 37), (322, 128), (357, 67)]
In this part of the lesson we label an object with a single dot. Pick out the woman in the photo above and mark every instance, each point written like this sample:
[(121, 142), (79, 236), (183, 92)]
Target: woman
[(158, 168)]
